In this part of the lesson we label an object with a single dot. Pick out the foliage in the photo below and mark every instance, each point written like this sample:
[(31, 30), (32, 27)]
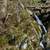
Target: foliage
[(3, 41), (19, 23), (36, 1)]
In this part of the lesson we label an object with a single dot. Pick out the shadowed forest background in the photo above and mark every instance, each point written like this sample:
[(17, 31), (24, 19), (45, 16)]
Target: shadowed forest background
[(15, 21)]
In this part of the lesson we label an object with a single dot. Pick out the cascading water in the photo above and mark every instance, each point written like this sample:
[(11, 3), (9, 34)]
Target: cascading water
[(43, 43), (40, 23)]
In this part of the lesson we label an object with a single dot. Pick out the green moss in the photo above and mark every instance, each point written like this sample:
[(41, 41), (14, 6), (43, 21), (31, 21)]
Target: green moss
[(12, 48), (3, 40), (36, 1), (7, 49)]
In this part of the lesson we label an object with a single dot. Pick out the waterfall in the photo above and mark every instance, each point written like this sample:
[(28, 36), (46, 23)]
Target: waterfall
[(40, 23), (43, 42)]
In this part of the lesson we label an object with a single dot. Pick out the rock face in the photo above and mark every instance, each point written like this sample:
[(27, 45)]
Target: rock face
[(2, 15), (43, 1), (3, 5)]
